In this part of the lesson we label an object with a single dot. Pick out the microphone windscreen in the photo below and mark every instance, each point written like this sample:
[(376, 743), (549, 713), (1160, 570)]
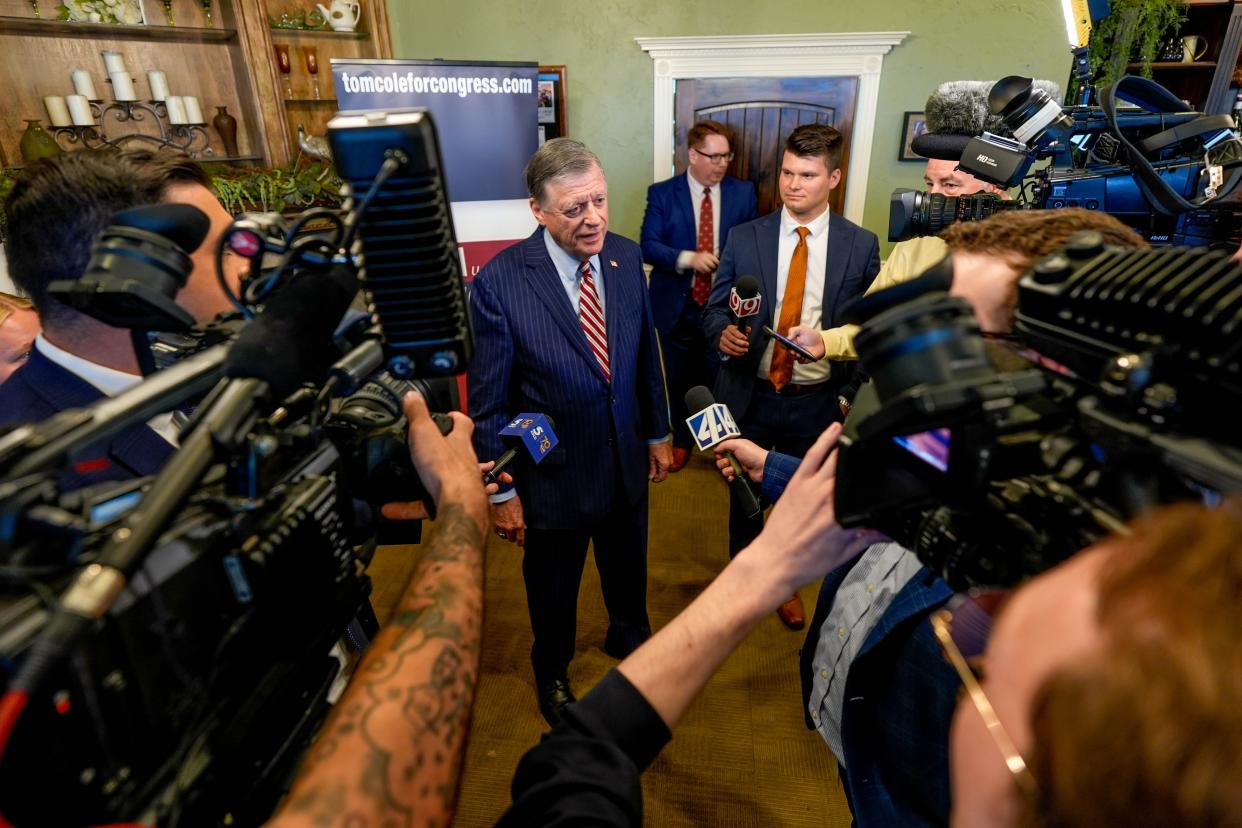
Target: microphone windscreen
[(182, 224), (290, 342), (937, 278), (698, 398), (747, 286)]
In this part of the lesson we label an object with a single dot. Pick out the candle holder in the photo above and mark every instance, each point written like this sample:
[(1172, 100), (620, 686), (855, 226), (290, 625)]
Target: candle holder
[(285, 65), (206, 7), (311, 55), (34, 4), (168, 12), (192, 139)]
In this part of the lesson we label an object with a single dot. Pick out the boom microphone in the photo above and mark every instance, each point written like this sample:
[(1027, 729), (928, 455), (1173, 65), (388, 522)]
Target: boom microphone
[(712, 423), (290, 342), (744, 299)]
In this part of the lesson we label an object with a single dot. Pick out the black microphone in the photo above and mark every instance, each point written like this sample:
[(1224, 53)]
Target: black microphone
[(290, 342), (744, 299), (937, 278), (711, 422)]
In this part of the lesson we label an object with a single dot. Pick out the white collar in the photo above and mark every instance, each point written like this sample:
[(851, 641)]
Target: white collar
[(107, 381), (818, 226)]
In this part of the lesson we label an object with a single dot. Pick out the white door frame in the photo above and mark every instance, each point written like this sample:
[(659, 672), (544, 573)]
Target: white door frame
[(841, 54)]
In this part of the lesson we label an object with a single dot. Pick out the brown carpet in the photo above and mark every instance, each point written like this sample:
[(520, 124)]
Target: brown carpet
[(740, 757)]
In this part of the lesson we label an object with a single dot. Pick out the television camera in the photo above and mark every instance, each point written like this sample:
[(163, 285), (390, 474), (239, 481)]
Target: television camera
[(167, 642), (993, 462), (1154, 165)]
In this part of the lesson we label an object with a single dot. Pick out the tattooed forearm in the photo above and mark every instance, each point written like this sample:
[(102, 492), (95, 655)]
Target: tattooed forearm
[(391, 752)]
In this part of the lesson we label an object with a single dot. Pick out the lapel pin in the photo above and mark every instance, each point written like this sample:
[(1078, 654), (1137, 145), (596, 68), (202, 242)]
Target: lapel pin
[(613, 262)]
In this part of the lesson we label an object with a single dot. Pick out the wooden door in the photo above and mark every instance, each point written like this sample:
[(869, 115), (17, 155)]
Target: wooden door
[(762, 112)]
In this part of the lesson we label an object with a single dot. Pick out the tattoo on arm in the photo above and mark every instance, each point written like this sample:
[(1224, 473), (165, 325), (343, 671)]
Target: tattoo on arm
[(391, 752)]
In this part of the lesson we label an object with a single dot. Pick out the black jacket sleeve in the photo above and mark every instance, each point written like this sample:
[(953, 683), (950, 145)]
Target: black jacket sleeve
[(586, 770)]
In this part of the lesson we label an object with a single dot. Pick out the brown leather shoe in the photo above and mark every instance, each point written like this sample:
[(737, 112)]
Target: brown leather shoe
[(792, 614), (680, 457)]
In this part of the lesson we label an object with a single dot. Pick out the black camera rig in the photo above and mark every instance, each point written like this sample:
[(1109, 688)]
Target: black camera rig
[(167, 642), (995, 460)]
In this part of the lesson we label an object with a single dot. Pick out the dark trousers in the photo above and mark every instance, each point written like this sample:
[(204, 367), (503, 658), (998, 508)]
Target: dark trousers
[(552, 568), (788, 424), (687, 363)]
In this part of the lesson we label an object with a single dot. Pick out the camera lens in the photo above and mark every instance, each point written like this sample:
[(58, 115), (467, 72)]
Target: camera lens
[(930, 340), (914, 213)]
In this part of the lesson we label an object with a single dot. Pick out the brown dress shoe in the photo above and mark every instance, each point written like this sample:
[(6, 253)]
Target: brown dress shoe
[(792, 614), (680, 457)]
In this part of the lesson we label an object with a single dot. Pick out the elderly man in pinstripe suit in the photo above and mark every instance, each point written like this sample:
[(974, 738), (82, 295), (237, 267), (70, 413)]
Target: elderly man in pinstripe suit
[(563, 327)]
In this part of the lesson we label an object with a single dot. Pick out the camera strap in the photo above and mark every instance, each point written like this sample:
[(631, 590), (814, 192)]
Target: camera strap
[(1152, 97)]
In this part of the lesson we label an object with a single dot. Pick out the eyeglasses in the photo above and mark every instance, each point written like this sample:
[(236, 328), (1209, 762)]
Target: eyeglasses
[(715, 157), (942, 626)]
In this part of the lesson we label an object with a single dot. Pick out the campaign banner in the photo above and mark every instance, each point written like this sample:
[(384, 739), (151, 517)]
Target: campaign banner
[(486, 115)]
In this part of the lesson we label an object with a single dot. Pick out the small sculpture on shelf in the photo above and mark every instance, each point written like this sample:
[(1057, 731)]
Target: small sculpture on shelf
[(127, 12), (315, 146)]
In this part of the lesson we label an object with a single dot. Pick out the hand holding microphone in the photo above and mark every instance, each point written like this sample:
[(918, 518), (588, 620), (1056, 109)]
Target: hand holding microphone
[(739, 452), (534, 433), (710, 424), (744, 302)]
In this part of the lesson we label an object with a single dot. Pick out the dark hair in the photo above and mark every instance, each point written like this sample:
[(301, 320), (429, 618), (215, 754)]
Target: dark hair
[(60, 205), (558, 158), (817, 141), (700, 131)]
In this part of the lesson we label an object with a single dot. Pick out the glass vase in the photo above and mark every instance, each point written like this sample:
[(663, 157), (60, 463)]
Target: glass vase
[(37, 143)]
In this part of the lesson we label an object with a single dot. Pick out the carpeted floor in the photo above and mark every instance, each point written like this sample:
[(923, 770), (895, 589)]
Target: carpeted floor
[(741, 757)]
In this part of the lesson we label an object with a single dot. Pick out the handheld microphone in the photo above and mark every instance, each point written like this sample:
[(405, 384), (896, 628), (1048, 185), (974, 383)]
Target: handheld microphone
[(713, 423), (744, 299), (530, 431)]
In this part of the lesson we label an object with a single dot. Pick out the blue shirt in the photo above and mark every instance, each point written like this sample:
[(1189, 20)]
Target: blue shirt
[(567, 267)]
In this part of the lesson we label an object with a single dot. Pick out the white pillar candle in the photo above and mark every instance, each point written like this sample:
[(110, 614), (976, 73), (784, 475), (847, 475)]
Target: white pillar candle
[(84, 84), (193, 114), (80, 110), (113, 62), (123, 86), (57, 111), (159, 84), (176, 109)]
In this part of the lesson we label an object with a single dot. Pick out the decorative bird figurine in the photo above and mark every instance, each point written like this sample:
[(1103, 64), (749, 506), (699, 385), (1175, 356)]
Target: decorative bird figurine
[(316, 146)]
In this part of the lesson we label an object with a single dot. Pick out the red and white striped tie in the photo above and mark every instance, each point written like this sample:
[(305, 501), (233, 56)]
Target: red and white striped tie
[(591, 317)]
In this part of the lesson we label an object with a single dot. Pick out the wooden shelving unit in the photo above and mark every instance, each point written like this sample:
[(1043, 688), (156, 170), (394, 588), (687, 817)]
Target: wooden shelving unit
[(229, 63), (1205, 83)]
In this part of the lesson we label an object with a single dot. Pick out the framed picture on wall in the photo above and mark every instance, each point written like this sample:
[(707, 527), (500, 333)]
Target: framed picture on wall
[(550, 90), (913, 125)]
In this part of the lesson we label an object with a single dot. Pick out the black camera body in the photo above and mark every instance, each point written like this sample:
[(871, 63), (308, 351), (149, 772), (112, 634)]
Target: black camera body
[(994, 463), (185, 692)]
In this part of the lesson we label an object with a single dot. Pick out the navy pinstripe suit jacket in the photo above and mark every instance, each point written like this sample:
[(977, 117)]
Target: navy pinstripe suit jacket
[(531, 355)]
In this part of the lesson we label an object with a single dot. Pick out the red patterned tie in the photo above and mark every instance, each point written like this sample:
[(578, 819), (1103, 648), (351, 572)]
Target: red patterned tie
[(702, 287), (591, 317)]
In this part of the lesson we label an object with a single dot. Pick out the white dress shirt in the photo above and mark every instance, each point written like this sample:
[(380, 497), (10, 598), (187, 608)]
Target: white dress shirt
[(108, 381), (696, 205), (812, 291)]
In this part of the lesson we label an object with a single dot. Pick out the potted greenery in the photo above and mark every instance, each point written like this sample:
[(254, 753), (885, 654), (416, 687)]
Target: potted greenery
[(275, 189), (1132, 33)]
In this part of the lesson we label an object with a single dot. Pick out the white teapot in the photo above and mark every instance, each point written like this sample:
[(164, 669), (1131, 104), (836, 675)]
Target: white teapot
[(342, 16)]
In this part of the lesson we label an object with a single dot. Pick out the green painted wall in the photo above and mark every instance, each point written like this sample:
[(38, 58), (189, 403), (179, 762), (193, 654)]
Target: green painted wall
[(610, 78)]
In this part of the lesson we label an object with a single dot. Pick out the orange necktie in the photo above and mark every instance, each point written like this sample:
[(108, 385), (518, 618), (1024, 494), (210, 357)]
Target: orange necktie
[(780, 372)]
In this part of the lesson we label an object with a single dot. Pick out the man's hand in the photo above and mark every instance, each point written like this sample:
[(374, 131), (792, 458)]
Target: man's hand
[(802, 539), (417, 510), (810, 339), (508, 519), (748, 455), (704, 261), (733, 342), (446, 464), (659, 458)]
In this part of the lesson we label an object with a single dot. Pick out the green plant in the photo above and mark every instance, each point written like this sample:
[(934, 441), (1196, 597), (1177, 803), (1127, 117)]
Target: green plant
[(8, 177), (275, 189), (1132, 33)]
